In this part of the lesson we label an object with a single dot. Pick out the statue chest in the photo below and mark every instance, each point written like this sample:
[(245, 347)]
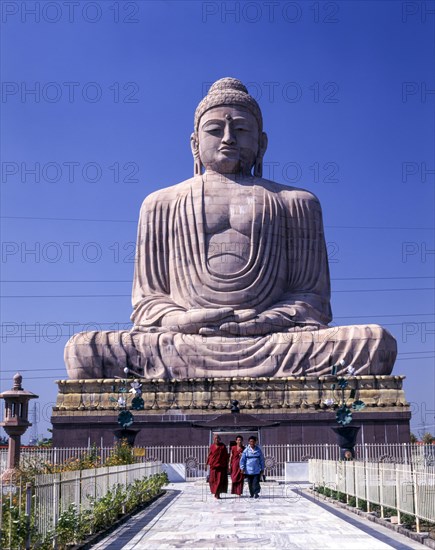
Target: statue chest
[(230, 217), (230, 208)]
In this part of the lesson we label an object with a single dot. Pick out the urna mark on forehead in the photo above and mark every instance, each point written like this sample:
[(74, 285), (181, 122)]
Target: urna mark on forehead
[(235, 114)]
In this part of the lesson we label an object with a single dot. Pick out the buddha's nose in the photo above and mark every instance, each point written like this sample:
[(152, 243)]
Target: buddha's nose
[(229, 137)]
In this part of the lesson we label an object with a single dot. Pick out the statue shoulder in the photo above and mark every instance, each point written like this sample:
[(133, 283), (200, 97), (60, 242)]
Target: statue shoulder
[(167, 194), (289, 193)]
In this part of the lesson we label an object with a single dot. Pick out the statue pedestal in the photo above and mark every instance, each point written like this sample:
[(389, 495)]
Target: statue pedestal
[(86, 410)]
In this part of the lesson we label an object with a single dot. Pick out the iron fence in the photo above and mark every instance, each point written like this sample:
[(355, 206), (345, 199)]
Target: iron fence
[(195, 456), (276, 455), (404, 488), (52, 494)]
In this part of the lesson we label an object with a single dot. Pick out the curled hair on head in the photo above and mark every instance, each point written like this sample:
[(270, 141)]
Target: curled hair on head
[(253, 437), (241, 437), (228, 91)]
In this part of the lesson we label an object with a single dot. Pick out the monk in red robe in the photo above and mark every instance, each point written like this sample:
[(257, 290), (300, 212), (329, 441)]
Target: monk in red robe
[(218, 461), (237, 476)]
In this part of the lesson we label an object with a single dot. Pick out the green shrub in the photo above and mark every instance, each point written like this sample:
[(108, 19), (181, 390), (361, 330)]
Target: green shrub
[(122, 453), (388, 512), (74, 526), (341, 496), (407, 520), (362, 505)]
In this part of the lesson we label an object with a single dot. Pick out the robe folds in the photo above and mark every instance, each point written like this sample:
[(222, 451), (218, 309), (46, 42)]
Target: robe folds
[(237, 476), (286, 272), (218, 461)]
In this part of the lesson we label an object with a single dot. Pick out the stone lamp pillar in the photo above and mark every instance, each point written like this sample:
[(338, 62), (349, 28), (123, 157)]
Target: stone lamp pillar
[(15, 422)]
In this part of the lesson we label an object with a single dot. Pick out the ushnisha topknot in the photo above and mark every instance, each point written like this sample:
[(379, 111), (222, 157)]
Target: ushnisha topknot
[(228, 91)]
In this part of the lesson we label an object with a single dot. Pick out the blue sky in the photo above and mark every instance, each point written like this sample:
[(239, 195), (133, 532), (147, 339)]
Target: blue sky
[(345, 90)]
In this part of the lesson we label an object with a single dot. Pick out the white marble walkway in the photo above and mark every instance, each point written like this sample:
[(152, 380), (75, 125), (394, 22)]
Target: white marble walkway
[(189, 517)]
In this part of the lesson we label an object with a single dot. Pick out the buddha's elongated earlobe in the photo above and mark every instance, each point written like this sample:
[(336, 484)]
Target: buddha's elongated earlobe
[(197, 165), (258, 168)]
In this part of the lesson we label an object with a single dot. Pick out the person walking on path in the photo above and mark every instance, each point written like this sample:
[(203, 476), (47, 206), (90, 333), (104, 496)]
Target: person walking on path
[(252, 465), (218, 461), (237, 476)]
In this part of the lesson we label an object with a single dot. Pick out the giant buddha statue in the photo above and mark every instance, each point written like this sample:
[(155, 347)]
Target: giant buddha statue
[(231, 275)]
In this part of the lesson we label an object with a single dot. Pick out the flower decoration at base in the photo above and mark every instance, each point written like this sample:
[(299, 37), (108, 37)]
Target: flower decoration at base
[(125, 419), (358, 405), (339, 401), (137, 404), (343, 415), (136, 387)]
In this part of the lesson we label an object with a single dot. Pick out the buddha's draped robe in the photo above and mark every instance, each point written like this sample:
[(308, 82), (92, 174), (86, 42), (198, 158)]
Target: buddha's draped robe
[(286, 271)]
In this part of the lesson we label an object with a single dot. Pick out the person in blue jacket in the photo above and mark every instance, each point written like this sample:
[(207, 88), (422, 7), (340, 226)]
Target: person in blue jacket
[(252, 465)]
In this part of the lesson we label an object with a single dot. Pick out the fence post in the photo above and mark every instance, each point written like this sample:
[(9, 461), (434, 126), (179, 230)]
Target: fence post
[(357, 487), (55, 509), (381, 487), (171, 455), (77, 489), (28, 512), (367, 484), (398, 494), (95, 483), (416, 507)]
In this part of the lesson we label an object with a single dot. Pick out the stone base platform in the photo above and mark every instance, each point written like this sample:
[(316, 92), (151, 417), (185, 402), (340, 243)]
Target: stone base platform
[(289, 410)]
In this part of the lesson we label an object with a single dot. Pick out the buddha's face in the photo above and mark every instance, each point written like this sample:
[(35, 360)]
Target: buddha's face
[(228, 140)]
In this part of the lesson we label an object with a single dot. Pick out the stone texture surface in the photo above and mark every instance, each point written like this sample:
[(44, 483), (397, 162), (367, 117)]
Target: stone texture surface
[(215, 394), (84, 411), (231, 274), (280, 519)]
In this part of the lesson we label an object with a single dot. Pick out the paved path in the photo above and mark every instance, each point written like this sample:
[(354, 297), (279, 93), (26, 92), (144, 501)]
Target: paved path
[(189, 517)]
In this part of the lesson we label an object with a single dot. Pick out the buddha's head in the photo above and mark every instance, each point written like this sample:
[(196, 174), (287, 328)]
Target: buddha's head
[(228, 136)]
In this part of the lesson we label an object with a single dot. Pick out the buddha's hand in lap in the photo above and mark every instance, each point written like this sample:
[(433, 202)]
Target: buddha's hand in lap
[(204, 321), (263, 324)]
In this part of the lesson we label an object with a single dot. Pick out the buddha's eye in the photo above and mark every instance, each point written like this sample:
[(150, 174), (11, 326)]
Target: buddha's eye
[(212, 128)]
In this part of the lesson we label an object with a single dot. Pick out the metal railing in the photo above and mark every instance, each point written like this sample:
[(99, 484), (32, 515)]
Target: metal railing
[(195, 456), (276, 455), (31, 456), (405, 488), (52, 494)]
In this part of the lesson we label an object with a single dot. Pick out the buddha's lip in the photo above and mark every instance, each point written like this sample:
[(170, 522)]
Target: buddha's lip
[(228, 149)]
